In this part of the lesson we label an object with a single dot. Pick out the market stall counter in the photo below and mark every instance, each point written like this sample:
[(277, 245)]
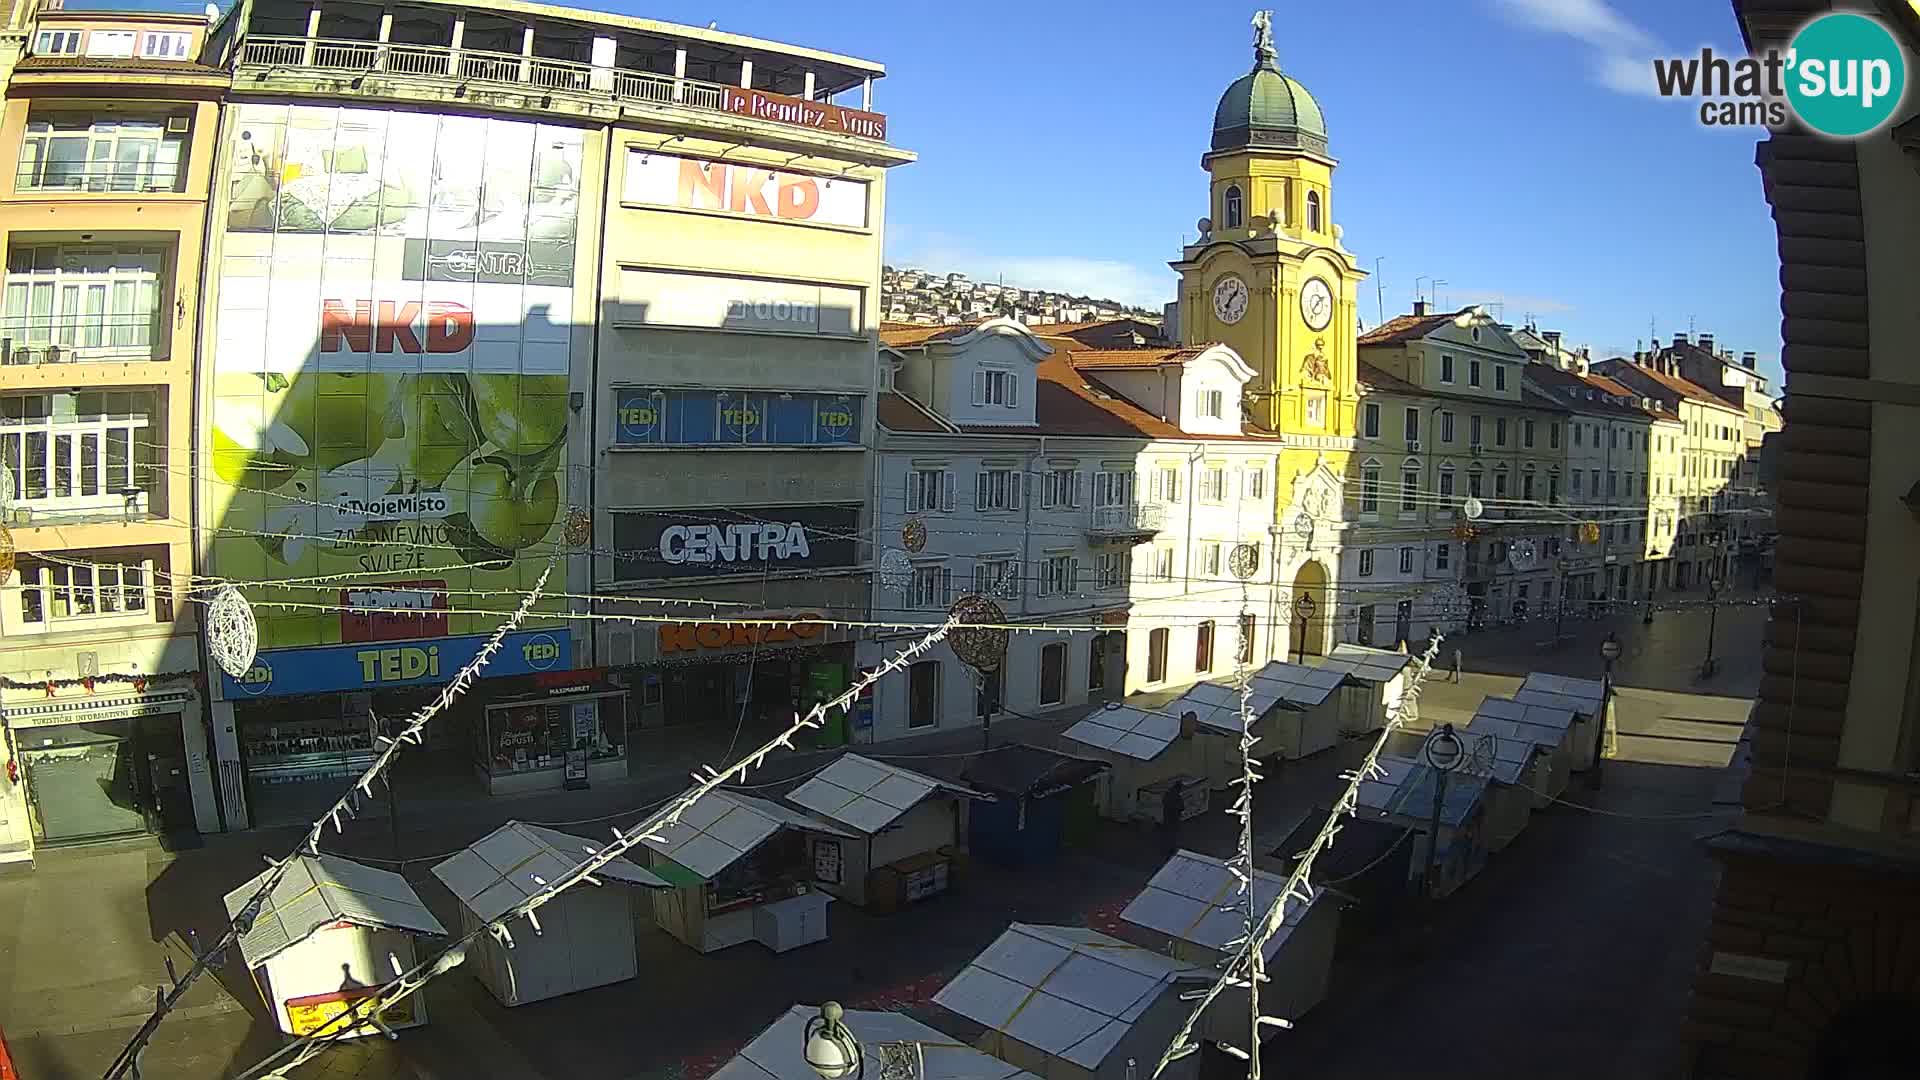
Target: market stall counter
[(738, 870), (586, 936), (909, 828), (330, 934)]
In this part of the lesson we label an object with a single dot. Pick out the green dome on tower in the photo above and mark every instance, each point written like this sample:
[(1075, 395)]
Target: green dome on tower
[(1266, 110)]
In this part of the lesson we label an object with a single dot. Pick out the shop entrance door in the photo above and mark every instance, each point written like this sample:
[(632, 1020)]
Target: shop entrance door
[(84, 781), (168, 803)]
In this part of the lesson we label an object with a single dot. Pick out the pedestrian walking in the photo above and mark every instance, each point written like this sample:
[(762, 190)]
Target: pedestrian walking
[(1172, 805), (1456, 665)]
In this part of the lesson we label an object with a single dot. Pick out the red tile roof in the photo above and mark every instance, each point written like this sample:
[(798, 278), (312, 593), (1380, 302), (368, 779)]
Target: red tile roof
[(1555, 384), (122, 64), (1684, 387), (897, 412), (907, 335), (1377, 379), (1093, 359), (1407, 327)]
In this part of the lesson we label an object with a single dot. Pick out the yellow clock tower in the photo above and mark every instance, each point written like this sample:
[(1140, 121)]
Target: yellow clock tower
[(1268, 275)]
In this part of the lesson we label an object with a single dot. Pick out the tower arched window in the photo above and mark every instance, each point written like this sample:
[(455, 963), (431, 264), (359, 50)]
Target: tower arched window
[(1313, 211), (1232, 208)]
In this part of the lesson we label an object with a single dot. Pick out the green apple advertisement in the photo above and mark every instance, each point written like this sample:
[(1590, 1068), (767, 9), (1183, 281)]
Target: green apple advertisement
[(390, 374)]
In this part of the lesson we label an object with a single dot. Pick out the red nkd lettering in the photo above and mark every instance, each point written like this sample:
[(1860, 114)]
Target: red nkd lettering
[(448, 327)]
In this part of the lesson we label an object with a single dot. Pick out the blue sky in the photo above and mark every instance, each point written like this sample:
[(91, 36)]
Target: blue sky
[(1513, 148)]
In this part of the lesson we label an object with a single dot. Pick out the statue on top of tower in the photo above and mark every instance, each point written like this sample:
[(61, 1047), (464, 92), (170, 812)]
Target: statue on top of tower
[(1263, 37)]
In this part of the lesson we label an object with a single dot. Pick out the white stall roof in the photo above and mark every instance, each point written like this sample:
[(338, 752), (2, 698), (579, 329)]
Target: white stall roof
[(1371, 664), (1070, 992), (776, 1053), (320, 890), (723, 826), (1128, 730), (1505, 756), (516, 860), (1548, 723), (869, 795), (1407, 792), (1592, 691), (1378, 792), (1300, 686), (1196, 898)]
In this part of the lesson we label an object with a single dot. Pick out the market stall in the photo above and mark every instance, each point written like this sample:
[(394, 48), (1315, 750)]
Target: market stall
[(1044, 803), (1295, 712), (330, 934), (1404, 796), (586, 934), (1587, 699), (1069, 1003), (1376, 680), (1148, 751), (1548, 726), (778, 1053), (908, 828), (1516, 768), (1188, 911), (739, 869), (1370, 859), (565, 736)]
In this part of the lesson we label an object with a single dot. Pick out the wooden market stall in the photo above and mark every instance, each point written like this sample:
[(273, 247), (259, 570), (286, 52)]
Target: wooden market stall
[(1296, 714), (739, 869), (1586, 698), (1069, 1003), (1370, 859), (908, 828), (1187, 911), (330, 934), (1517, 768), (778, 1052), (586, 936), (1405, 797), (1044, 803), (1547, 726), (1376, 680), (1148, 750)]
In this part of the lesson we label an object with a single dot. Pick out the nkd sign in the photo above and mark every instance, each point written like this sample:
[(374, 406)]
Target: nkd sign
[(712, 541)]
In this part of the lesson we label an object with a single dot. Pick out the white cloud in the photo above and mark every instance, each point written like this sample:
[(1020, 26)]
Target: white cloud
[(1623, 51), (1114, 279), (1514, 307)]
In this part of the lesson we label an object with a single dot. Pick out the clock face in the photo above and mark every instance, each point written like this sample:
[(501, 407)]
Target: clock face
[(1316, 304), (1230, 299)]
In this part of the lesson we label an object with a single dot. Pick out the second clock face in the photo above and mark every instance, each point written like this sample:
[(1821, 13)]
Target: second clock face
[(1316, 303), (1230, 299)]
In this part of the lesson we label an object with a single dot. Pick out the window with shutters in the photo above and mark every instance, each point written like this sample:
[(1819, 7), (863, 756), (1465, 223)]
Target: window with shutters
[(1500, 483), (1255, 486), (1412, 424), (1060, 576), (996, 575), (1526, 487), (1473, 430), (1366, 562), (1473, 372), (1441, 554), (1166, 484), (1163, 564), (1112, 487), (994, 387), (1526, 434), (1370, 488), (929, 489), (1409, 488), (1210, 558), (1203, 649), (1157, 655), (1213, 404), (1446, 368), (1213, 484), (1114, 568), (932, 586), (1500, 431), (1576, 479), (1060, 488), (1576, 435), (1446, 481), (1499, 376), (1446, 427), (1553, 436), (998, 489), (1370, 420), (1406, 560)]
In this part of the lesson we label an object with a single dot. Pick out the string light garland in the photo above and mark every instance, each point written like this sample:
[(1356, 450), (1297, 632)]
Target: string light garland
[(346, 806), (307, 1047), (1241, 969), (233, 637), (90, 683)]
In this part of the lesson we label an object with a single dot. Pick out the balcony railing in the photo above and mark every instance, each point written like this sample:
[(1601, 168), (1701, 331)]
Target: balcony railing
[(116, 178), (62, 339), (58, 470), (1134, 519), (501, 69)]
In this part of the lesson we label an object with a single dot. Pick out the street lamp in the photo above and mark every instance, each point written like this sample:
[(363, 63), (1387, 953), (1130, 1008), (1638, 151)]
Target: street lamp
[(833, 1051), (1609, 652), (1303, 606), (1443, 752), (1713, 621), (1560, 611)]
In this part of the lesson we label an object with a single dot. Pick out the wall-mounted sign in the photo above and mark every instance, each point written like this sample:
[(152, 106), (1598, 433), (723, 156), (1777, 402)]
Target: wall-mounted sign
[(378, 665), (826, 860), (800, 112), (715, 302), (394, 611), (644, 417), (704, 541), (655, 179), (715, 636), (499, 262)]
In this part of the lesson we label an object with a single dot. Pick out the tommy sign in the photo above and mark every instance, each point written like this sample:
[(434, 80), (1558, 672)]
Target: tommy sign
[(700, 542)]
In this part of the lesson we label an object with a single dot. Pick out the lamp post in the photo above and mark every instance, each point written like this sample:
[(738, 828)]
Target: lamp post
[(1560, 610), (1713, 622), (1303, 606), (1609, 652), (1443, 753), (832, 1050), (1652, 572)]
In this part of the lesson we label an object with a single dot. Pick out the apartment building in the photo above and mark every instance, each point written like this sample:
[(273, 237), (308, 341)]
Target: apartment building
[(1738, 381), (1712, 445), (1450, 419), (111, 124), (1609, 472), (1096, 493), (478, 270), (1665, 435)]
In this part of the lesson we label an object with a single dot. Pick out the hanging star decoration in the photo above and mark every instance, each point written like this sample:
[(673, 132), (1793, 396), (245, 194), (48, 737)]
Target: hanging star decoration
[(232, 635), (913, 535), (579, 529), (980, 639), (896, 572)]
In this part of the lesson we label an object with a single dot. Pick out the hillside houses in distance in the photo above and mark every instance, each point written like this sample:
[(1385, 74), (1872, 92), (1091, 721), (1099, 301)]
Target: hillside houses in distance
[(936, 299)]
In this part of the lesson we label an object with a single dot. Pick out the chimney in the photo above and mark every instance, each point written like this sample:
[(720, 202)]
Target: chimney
[(1706, 342), (1552, 337), (1419, 307), (1679, 340)]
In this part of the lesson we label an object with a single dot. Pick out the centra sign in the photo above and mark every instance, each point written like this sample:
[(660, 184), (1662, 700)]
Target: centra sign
[(735, 543)]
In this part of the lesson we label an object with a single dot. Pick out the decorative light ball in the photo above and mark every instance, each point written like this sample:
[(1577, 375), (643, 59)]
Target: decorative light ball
[(232, 635), (1244, 561), (896, 571), (913, 535), (981, 640), (579, 528), (6, 552)]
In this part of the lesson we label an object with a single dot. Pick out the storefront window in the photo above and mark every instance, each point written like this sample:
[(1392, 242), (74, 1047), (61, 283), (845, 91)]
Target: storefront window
[(297, 750), (524, 737)]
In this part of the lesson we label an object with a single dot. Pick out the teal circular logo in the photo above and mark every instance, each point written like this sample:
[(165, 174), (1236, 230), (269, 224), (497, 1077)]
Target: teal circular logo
[(1845, 74)]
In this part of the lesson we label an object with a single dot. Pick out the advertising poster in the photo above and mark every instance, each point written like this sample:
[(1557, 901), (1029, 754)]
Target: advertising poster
[(390, 373)]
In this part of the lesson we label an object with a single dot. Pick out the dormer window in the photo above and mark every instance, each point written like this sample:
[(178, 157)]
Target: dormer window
[(991, 387), (1313, 211), (1232, 208), (1213, 404)]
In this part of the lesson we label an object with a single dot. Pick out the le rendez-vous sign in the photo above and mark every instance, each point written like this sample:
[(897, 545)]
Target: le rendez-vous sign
[(800, 112)]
